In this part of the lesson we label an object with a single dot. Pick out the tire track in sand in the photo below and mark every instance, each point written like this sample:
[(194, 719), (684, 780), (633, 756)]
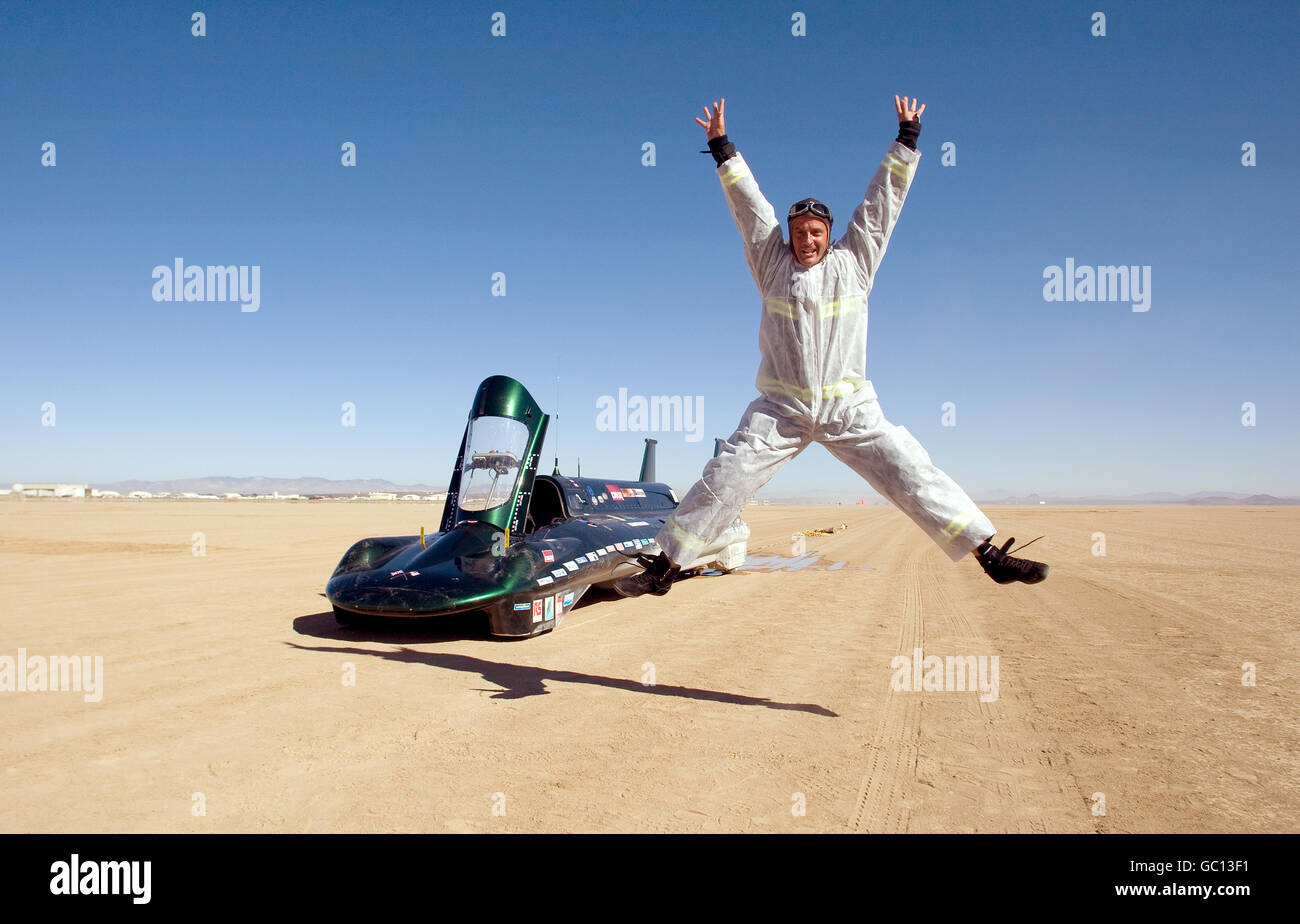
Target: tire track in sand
[(1007, 782), (882, 806)]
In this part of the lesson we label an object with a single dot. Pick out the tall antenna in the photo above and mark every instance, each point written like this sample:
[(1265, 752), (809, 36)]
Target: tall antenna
[(557, 426)]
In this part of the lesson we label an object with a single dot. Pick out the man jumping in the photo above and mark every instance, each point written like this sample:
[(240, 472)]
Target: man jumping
[(811, 379)]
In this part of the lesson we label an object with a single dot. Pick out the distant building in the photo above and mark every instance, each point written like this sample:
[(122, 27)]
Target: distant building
[(52, 489)]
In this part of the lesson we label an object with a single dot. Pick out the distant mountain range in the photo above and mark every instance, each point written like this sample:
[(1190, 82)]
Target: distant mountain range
[(258, 484)]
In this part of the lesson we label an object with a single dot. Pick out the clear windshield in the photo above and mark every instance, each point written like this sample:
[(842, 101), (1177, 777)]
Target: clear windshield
[(494, 457)]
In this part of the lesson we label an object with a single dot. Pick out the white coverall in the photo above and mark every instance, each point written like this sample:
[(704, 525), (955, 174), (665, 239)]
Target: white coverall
[(811, 380)]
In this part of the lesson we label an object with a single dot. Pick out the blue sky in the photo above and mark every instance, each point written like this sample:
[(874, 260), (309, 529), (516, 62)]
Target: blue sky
[(522, 155)]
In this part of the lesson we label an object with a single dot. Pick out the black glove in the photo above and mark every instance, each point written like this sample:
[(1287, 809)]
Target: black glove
[(721, 149), (908, 132)]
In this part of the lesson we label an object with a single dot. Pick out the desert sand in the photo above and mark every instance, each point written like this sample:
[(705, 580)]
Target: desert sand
[(759, 701)]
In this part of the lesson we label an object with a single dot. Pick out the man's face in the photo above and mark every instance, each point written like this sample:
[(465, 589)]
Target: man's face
[(809, 239)]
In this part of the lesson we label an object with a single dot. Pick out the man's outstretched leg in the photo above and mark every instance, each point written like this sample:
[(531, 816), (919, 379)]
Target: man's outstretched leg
[(899, 468), (768, 437)]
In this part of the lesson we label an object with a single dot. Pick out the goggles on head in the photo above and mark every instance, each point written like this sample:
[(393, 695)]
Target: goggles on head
[(810, 207)]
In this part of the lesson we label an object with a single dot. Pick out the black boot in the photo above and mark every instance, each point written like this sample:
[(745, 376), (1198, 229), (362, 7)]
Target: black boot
[(657, 578), (1004, 569)]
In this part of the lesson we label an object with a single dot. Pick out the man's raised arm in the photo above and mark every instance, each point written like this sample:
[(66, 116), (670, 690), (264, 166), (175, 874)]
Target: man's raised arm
[(873, 220), (753, 214)]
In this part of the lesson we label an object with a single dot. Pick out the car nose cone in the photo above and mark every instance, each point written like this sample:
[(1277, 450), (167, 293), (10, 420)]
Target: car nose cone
[(437, 589), (458, 572)]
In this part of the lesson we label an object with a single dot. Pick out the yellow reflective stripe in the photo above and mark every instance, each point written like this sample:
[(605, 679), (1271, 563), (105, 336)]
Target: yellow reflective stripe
[(894, 163), (781, 306), (784, 388), (688, 542), (847, 305), (786, 308), (734, 175), (841, 389), (956, 525)]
